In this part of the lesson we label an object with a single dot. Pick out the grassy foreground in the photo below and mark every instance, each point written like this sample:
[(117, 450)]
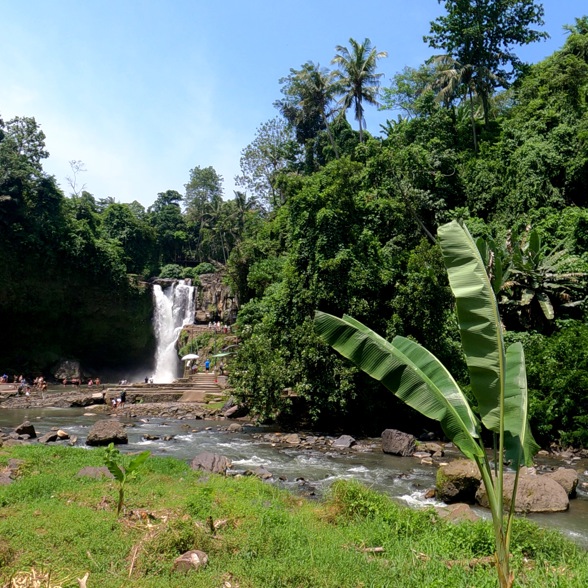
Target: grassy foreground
[(256, 536)]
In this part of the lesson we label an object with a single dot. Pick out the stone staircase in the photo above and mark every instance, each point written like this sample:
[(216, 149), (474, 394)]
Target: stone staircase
[(204, 385), (200, 387)]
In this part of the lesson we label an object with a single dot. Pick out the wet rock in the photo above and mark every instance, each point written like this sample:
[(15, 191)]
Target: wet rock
[(567, 478), (211, 462), (291, 439), (105, 432), (237, 411), (398, 443), (26, 428), (49, 437), (458, 481), (191, 560), (259, 472), (435, 449), (344, 442), (534, 494)]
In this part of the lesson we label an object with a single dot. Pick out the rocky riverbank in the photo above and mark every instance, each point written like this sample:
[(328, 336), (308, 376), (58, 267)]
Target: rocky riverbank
[(98, 401), (432, 453)]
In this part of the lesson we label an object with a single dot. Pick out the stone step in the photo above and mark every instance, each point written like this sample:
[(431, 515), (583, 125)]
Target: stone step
[(178, 395), (200, 396)]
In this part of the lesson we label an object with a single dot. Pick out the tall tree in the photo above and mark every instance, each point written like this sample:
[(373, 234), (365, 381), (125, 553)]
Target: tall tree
[(357, 77), (272, 151), (165, 216), (454, 79), (204, 188), (204, 194), (480, 35), (308, 105)]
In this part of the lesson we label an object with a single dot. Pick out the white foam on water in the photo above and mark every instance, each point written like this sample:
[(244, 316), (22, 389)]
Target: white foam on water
[(254, 460)]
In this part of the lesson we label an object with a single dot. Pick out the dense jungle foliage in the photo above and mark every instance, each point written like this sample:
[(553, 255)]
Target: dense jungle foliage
[(339, 220)]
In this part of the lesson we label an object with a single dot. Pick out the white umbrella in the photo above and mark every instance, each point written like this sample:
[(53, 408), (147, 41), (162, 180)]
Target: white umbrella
[(190, 356)]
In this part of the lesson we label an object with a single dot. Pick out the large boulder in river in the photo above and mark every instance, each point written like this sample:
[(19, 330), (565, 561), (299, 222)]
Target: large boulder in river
[(567, 478), (458, 481), (26, 428), (211, 462), (534, 493), (106, 432), (398, 443), (344, 442)]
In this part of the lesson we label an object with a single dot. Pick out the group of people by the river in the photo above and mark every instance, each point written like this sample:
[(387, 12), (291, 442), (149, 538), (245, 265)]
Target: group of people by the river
[(117, 401), (78, 382), (27, 386), (23, 386)]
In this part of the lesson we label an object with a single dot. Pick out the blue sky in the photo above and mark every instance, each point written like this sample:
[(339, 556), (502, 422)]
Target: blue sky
[(142, 91)]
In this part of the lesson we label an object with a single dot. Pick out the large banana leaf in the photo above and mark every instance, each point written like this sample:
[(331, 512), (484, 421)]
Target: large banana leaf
[(519, 442), (411, 372), (479, 320)]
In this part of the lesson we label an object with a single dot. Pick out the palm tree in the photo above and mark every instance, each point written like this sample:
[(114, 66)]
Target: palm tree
[(357, 78), (308, 106), (454, 79), (464, 81), (319, 88)]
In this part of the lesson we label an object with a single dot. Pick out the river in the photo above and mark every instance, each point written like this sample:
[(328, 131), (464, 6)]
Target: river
[(299, 470)]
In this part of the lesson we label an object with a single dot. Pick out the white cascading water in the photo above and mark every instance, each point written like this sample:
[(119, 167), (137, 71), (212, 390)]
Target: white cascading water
[(173, 308)]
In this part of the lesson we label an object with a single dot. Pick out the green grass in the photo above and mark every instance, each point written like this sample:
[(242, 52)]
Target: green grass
[(52, 520)]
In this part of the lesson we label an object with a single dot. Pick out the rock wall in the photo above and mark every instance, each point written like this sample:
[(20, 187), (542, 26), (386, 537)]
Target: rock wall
[(215, 301)]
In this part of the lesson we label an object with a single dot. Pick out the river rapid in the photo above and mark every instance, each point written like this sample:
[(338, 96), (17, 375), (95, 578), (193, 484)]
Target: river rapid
[(308, 471)]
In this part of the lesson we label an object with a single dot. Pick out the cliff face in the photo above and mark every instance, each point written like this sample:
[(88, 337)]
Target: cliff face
[(215, 301)]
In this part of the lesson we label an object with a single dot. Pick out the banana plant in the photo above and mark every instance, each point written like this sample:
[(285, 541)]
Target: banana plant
[(123, 472), (532, 282), (497, 379)]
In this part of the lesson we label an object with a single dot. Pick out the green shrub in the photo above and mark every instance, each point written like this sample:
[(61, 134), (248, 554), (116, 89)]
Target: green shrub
[(204, 268), (557, 375), (171, 271)]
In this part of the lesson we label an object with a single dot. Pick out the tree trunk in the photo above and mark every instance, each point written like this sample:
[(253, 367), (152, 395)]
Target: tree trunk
[(473, 119)]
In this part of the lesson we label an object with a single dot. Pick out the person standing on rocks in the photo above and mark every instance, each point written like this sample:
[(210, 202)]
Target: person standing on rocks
[(207, 365)]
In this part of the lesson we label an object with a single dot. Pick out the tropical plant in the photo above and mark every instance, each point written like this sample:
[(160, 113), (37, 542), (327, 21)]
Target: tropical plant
[(482, 33), (497, 379), (123, 472), (357, 77), (532, 280), (452, 80), (307, 106)]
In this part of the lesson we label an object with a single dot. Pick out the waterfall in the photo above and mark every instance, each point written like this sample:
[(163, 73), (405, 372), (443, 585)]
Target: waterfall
[(173, 308)]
